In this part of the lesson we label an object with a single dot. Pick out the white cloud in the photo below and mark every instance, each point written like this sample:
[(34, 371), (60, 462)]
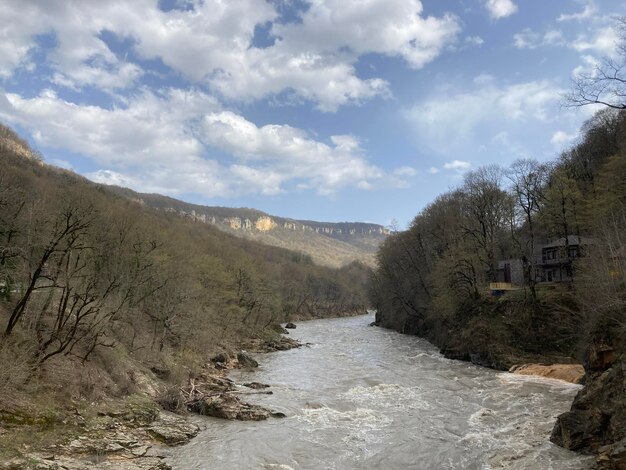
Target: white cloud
[(603, 41), (80, 57), (529, 39), (501, 8), (474, 40), (212, 44), (292, 154), (457, 165), (389, 27), (448, 122), (405, 171), (561, 138), (163, 142), (588, 11)]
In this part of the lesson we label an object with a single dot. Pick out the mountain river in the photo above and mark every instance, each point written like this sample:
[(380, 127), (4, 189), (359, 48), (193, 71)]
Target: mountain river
[(360, 397)]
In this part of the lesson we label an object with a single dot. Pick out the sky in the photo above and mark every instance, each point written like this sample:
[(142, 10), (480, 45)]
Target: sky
[(329, 110)]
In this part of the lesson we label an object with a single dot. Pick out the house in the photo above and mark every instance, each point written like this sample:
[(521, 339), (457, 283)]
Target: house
[(511, 271), (555, 263)]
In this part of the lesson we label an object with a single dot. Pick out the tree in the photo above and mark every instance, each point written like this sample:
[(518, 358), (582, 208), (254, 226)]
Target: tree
[(528, 180), (486, 206), (606, 83)]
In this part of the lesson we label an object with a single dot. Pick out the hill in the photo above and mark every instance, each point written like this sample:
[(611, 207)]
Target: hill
[(327, 243), (104, 298)]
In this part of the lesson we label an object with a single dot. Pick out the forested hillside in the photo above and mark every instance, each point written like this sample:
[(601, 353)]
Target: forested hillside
[(94, 287), (329, 244), (434, 279)]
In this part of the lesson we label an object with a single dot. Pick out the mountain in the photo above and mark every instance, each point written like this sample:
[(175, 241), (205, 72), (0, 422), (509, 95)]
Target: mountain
[(327, 243)]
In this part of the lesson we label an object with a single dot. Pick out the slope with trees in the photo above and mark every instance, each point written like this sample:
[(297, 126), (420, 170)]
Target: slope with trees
[(434, 279), (96, 289)]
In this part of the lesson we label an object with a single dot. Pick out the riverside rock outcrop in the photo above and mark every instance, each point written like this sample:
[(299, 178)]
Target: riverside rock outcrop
[(596, 422), (572, 373)]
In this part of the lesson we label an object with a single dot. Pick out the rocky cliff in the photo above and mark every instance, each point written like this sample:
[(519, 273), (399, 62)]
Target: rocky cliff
[(595, 424), (327, 243)]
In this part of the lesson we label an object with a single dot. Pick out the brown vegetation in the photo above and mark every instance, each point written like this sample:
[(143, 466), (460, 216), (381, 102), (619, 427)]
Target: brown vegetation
[(102, 297)]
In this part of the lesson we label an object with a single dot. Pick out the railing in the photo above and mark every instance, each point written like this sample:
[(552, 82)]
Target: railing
[(501, 286)]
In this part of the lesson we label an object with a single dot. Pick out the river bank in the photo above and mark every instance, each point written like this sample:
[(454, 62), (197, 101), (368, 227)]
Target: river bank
[(135, 433), (497, 334)]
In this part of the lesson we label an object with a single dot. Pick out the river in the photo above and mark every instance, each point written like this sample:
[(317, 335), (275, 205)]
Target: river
[(361, 397)]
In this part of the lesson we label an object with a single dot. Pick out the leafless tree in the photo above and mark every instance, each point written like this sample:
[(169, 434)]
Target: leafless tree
[(606, 83)]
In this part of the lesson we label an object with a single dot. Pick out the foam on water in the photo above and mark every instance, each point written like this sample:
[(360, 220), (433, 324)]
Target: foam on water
[(388, 396), (368, 398)]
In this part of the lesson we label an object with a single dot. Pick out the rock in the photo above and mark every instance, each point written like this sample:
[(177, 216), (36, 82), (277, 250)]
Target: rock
[(222, 357), (278, 414), (172, 429), (290, 326), (577, 429), (599, 357), (139, 451), (279, 329), (612, 457), (160, 370), (230, 407), (572, 373), (283, 344), (256, 385), (374, 324), (245, 360), (596, 422)]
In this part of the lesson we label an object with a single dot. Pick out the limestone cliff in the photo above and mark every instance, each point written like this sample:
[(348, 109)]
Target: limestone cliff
[(327, 243)]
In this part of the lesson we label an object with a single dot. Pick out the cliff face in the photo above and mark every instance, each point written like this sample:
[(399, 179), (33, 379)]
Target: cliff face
[(327, 243), (597, 421)]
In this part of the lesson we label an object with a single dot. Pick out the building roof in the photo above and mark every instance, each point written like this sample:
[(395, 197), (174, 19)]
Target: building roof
[(572, 240)]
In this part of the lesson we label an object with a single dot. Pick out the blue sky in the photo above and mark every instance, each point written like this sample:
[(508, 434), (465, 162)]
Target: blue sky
[(330, 110)]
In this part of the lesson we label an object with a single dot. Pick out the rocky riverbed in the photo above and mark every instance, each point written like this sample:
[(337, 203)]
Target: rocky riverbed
[(135, 434)]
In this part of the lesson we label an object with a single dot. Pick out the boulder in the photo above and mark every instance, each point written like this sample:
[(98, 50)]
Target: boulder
[(256, 385), (612, 457), (230, 407), (172, 429), (291, 326), (245, 360), (572, 373), (222, 358), (577, 429), (596, 422)]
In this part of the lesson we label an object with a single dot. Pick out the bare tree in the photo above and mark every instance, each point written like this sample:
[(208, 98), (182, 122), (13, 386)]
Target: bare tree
[(528, 179), (606, 83)]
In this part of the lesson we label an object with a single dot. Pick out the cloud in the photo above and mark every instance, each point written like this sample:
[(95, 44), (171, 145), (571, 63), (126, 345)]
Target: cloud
[(474, 41), (163, 142), (561, 138), (449, 122), (388, 27), (211, 43), (457, 165), (529, 39), (405, 171), (292, 154), (603, 41), (455, 117), (588, 11), (500, 8)]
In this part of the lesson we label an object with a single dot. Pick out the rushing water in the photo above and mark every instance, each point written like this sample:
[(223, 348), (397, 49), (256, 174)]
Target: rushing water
[(367, 398)]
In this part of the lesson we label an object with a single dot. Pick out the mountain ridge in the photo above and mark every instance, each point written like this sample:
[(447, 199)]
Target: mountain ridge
[(331, 244)]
